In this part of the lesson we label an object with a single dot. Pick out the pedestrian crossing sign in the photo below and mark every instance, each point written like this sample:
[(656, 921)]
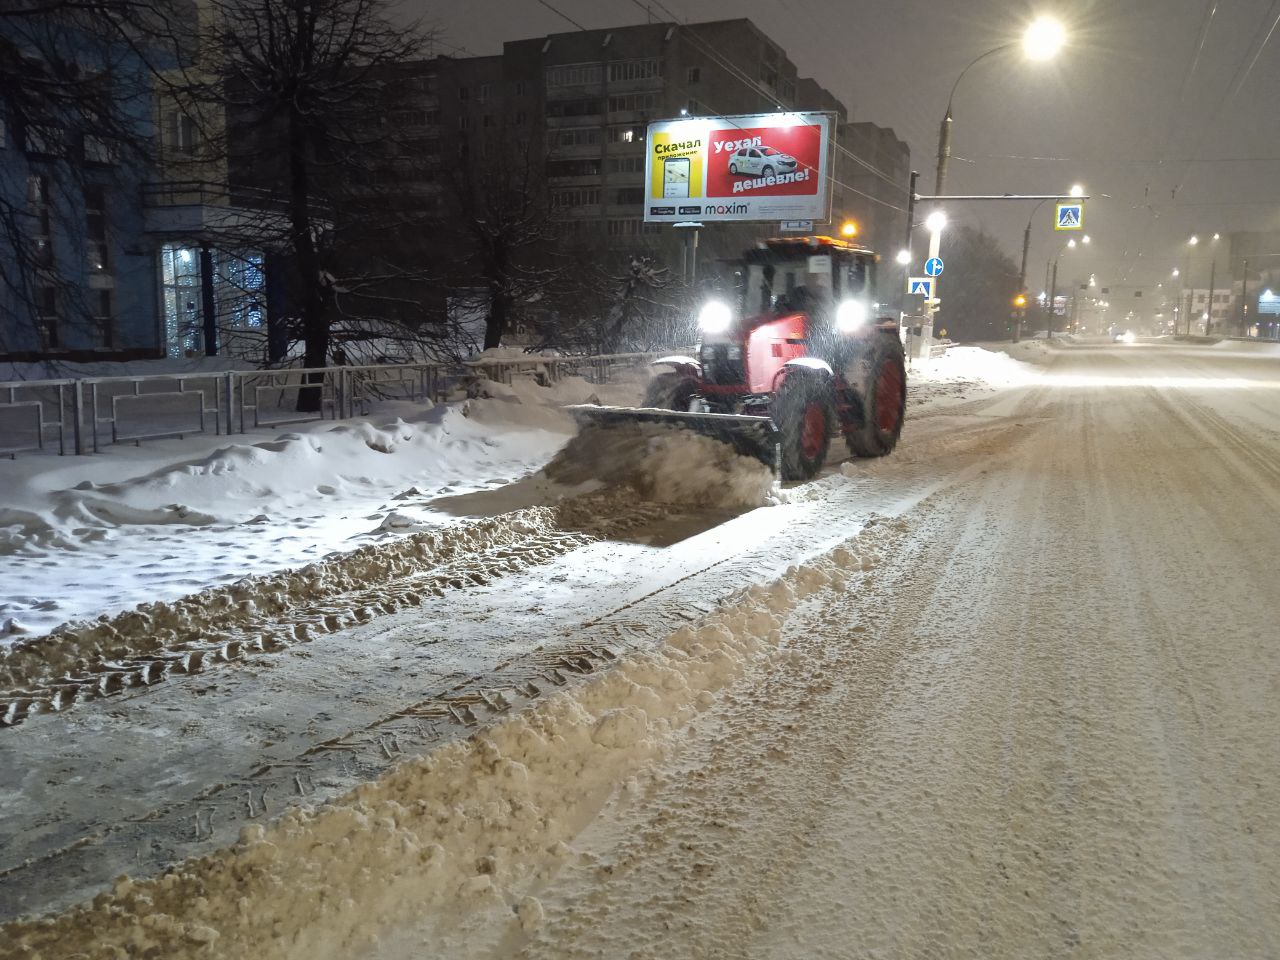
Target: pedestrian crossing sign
[(1070, 216), (920, 286)]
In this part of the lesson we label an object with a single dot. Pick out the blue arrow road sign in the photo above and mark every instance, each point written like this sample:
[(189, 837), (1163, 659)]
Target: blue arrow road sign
[(933, 267), (920, 286)]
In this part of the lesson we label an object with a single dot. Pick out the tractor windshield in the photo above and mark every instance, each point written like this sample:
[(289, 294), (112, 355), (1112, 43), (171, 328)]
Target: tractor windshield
[(769, 284)]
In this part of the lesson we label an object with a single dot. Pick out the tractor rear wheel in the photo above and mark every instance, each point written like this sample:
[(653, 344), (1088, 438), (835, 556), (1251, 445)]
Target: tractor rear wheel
[(670, 391), (878, 377), (805, 413)]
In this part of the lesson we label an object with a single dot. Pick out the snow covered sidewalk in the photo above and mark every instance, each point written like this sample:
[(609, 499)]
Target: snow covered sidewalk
[(84, 536)]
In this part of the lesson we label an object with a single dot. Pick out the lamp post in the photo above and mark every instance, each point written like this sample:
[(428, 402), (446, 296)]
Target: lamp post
[(1041, 41), (935, 223), (1192, 242), (1050, 302), (1076, 191)]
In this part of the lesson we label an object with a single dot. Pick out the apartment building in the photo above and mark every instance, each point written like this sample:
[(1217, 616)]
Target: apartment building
[(582, 101)]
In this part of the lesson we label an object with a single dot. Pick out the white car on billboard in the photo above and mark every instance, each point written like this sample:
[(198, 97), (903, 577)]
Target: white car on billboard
[(760, 161)]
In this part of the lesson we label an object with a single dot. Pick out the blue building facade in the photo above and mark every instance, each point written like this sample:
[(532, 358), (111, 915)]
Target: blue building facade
[(113, 242), (77, 274)]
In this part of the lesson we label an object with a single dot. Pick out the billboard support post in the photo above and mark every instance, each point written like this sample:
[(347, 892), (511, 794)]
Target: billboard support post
[(689, 254)]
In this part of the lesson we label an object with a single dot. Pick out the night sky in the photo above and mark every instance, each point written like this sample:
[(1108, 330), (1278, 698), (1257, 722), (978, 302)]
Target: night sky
[(1165, 106)]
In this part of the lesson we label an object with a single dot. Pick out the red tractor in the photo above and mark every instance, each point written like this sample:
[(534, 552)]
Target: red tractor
[(801, 358)]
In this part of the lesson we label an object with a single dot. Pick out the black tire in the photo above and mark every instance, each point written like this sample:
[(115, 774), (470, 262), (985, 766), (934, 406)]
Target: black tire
[(877, 378), (805, 402), (671, 391), (766, 171), (733, 169)]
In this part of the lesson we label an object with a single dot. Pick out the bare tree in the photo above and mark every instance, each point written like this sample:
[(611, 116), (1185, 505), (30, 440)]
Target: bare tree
[(499, 211), (298, 77)]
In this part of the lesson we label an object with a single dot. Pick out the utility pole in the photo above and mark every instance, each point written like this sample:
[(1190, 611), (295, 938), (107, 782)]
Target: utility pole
[(944, 149), (1053, 298), (1022, 279), (905, 296), (1244, 300), (1208, 316)]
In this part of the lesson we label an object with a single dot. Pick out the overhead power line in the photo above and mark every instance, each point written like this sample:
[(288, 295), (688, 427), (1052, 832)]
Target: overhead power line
[(560, 13)]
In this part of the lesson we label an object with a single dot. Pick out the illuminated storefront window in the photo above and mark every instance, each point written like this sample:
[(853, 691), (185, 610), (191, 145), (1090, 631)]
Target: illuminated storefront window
[(238, 291)]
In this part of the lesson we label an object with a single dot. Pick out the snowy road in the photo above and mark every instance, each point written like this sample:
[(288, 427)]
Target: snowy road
[(1043, 721), (1050, 730)]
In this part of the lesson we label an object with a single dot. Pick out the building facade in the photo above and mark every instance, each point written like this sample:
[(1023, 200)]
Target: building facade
[(78, 279), (576, 106), (123, 240)]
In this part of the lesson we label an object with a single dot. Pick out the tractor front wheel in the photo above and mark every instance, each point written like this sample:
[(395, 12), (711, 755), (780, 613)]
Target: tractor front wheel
[(878, 377), (805, 413), (671, 391)]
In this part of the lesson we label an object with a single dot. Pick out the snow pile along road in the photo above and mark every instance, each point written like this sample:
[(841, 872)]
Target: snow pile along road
[(193, 513), (964, 373), (144, 646), (468, 829)]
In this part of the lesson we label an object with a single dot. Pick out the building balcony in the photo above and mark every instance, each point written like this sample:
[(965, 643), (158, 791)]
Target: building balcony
[(196, 210)]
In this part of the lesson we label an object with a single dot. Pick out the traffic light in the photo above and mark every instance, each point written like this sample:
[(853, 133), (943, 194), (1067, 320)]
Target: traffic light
[(1020, 300)]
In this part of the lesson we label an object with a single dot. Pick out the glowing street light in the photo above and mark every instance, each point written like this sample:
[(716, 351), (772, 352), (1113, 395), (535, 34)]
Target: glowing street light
[(1043, 39), (936, 222), (904, 257), (1077, 190)]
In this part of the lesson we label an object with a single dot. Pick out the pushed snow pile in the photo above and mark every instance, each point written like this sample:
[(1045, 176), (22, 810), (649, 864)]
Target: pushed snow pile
[(449, 836), (663, 464)]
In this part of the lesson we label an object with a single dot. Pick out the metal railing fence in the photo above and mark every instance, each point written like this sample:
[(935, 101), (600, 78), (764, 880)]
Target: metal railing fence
[(82, 415)]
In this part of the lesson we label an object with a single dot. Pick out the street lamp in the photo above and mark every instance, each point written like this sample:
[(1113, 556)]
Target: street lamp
[(1077, 190), (1041, 41), (1193, 241), (1053, 282)]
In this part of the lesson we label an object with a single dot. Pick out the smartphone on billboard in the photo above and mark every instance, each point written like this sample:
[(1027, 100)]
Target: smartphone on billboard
[(675, 178)]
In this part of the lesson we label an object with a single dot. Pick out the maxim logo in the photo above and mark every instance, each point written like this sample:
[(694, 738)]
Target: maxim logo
[(726, 208)]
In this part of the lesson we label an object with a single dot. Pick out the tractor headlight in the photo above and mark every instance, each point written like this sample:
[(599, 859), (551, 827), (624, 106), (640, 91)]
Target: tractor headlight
[(715, 317), (850, 315)]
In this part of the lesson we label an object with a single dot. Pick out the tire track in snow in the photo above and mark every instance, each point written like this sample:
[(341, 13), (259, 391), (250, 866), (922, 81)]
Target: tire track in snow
[(267, 614)]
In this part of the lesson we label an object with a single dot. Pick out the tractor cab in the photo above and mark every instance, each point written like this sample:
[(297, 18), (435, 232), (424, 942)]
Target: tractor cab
[(802, 274)]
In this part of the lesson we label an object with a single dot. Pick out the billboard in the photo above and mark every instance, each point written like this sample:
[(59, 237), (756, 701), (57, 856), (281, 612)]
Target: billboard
[(766, 166)]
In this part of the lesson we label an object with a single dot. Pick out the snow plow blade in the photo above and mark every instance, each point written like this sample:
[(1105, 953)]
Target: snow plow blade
[(754, 437)]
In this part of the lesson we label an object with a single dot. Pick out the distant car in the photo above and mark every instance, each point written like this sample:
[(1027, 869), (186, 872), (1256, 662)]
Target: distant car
[(1125, 337), (760, 162)]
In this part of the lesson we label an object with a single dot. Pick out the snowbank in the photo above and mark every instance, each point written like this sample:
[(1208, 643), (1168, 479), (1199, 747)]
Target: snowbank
[(471, 826), (965, 372), (81, 536)]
